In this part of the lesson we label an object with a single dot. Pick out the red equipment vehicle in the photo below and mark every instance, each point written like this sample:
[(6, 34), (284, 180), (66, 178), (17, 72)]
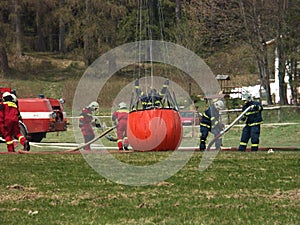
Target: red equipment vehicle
[(190, 117), (40, 116)]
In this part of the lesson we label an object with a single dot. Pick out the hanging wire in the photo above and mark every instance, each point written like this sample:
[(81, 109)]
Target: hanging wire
[(162, 31), (144, 29)]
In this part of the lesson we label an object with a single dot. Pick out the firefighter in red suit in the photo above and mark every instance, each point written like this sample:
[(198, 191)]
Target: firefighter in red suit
[(86, 121), (120, 117), (10, 122)]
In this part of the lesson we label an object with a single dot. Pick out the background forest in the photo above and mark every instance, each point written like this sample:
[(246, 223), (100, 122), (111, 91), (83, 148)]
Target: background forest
[(235, 37)]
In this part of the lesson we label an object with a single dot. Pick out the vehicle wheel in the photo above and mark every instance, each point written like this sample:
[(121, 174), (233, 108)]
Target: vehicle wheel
[(1, 139), (36, 137), (23, 129)]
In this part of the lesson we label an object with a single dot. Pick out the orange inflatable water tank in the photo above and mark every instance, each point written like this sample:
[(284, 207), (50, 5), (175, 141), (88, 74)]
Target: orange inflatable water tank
[(157, 129)]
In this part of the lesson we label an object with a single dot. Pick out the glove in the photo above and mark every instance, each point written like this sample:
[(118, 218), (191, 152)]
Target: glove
[(222, 126), (252, 107), (243, 118), (97, 123)]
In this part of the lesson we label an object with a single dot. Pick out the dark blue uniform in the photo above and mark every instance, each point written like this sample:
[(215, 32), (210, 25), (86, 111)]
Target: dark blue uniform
[(252, 129), (154, 98), (210, 122)]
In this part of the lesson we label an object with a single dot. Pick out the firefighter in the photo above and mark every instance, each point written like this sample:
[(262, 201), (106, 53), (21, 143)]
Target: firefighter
[(86, 121), (210, 122), (143, 97), (10, 122), (253, 120), (154, 97), (120, 118)]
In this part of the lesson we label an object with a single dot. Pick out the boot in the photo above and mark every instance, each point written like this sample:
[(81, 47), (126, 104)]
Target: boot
[(10, 147), (120, 145), (26, 146)]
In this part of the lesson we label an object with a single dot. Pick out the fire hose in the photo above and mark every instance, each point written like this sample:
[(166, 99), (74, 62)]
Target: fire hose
[(100, 126), (227, 128), (92, 141)]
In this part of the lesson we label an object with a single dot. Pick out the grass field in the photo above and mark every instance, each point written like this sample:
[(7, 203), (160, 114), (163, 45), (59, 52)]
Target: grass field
[(237, 188)]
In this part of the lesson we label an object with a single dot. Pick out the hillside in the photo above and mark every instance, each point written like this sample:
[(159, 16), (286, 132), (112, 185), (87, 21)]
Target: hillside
[(56, 76)]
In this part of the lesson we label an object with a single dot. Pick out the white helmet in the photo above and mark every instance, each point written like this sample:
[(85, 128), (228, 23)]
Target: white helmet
[(122, 105), (6, 96), (246, 97), (14, 98), (219, 104), (62, 101), (94, 106)]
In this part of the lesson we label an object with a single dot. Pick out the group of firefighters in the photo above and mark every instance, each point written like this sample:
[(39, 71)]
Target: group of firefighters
[(9, 122), (149, 100), (210, 121), (119, 118)]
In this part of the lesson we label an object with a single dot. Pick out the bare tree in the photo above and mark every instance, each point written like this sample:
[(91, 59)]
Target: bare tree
[(62, 30), (289, 44), (39, 25), (178, 10), (4, 31), (87, 33), (18, 28), (257, 21), (280, 46), (4, 68)]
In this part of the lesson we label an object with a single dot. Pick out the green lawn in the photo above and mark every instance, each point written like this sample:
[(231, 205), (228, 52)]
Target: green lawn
[(238, 188)]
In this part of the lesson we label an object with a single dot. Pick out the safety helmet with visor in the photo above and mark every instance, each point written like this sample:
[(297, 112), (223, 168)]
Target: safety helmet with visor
[(14, 98), (94, 106), (219, 104), (7, 96), (122, 105), (246, 97)]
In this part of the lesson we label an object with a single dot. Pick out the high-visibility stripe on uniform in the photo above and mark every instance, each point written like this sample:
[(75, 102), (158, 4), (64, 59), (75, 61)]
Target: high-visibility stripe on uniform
[(19, 139), (11, 104), (215, 124), (123, 110), (9, 142), (204, 125), (204, 114), (251, 112), (254, 124), (254, 145), (243, 143)]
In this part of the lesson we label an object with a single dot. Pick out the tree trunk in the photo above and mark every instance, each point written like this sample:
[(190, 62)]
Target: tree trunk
[(178, 10), (294, 82), (18, 25), (281, 75), (281, 28), (253, 24), (41, 43), (87, 36), (51, 46), (3, 61), (62, 30), (266, 74)]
